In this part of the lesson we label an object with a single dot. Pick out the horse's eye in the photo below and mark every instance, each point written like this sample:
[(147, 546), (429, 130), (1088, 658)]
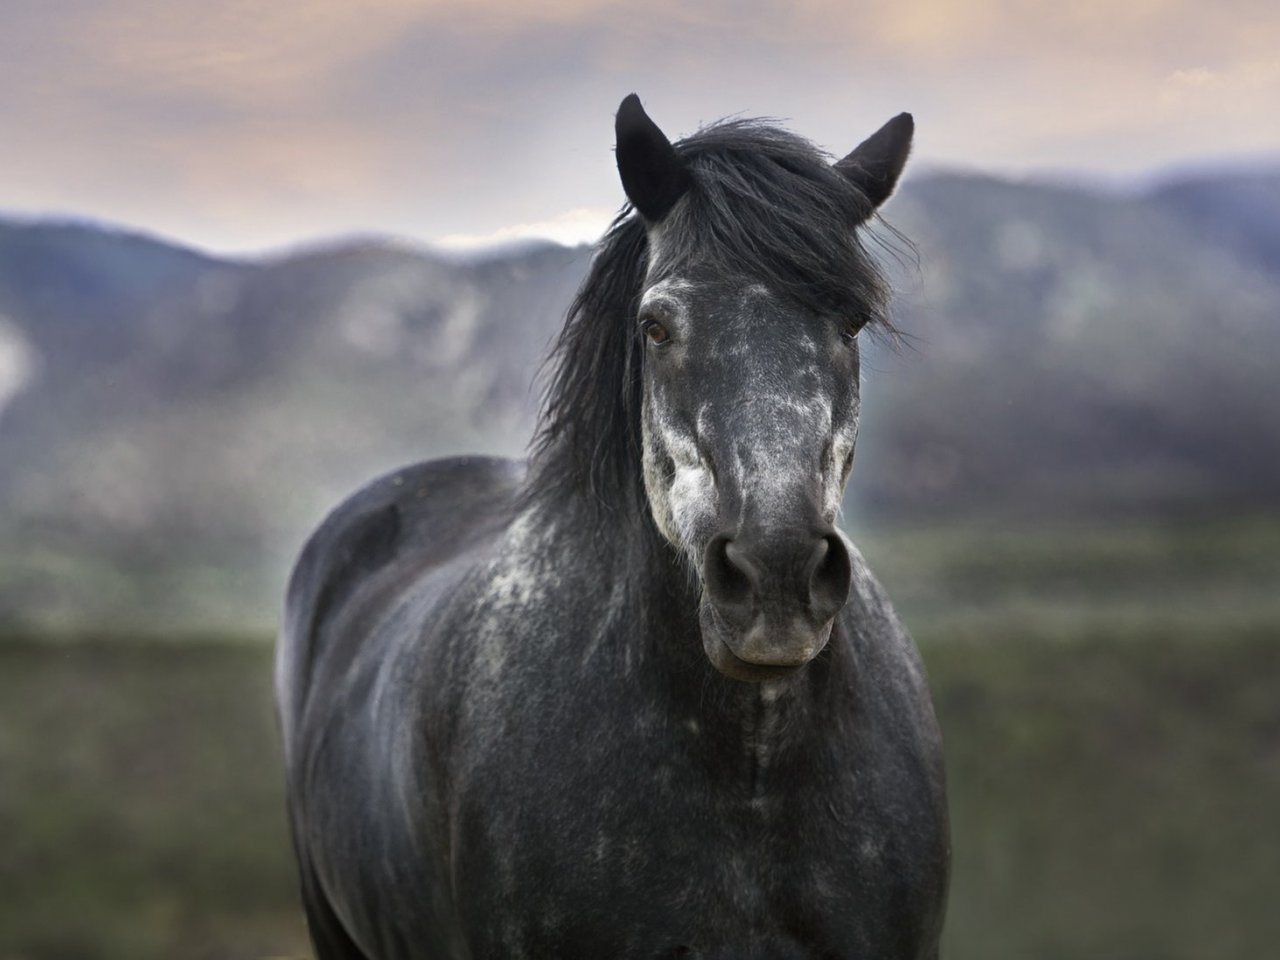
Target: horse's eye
[(849, 329), (655, 331)]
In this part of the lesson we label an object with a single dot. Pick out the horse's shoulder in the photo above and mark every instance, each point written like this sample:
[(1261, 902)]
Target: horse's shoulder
[(399, 525)]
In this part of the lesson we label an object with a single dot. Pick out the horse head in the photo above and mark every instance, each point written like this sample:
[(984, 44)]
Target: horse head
[(754, 294)]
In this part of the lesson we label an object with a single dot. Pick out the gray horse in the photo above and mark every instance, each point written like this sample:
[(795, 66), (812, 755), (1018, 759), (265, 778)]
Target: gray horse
[(641, 698)]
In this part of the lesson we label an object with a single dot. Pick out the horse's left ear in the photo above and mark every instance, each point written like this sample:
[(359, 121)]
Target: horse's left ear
[(653, 175), (875, 164)]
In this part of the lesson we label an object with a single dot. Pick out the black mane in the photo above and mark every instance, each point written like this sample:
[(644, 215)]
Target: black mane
[(764, 203)]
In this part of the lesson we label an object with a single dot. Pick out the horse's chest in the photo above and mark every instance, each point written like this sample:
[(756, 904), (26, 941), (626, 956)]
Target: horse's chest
[(649, 836)]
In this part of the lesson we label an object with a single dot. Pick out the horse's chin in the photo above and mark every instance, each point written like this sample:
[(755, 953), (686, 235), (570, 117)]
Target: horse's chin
[(719, 640)]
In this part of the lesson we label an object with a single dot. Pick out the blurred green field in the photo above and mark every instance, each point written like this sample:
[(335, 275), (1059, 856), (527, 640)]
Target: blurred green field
[(141, 806), (1207, 578), (1110, 701)]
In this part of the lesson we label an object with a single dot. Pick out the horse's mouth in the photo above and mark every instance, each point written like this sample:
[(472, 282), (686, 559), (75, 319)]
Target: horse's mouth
[(781, 663), (735, 668)]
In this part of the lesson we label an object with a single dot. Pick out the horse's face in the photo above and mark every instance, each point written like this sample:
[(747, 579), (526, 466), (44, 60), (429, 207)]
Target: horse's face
[(749, 418)]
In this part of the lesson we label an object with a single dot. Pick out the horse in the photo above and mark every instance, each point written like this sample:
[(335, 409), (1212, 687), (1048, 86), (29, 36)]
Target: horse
[(637, 696)]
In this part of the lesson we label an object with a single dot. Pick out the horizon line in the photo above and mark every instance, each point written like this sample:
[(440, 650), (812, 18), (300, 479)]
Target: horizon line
[(574, 228)]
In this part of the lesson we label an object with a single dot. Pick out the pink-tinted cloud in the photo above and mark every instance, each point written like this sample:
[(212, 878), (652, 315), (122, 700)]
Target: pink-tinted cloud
[(241, 124)]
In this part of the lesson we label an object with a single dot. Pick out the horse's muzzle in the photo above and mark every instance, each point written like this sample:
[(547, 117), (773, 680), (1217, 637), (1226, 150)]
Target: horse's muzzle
[(769, 603)]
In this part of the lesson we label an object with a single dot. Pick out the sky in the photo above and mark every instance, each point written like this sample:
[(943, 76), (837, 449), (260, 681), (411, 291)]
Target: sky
[(241, 126)]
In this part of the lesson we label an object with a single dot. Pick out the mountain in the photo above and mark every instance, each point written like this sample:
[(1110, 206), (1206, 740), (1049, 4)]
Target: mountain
[(171, 424), (1075, 353), (1241, 211), (171, 440)]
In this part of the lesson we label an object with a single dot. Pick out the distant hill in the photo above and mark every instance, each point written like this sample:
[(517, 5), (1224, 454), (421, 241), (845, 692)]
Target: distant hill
[(1240, 211), (1077, 353), (171, 423)]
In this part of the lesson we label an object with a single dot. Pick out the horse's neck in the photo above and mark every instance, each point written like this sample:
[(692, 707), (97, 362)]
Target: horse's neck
[(629, 564)]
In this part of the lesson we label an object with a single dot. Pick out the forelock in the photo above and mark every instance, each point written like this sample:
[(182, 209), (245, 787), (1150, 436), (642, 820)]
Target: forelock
[(768, 205)]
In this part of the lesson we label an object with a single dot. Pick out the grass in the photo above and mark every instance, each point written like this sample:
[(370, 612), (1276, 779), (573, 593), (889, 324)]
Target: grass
[(1207, 578), (1113, 746), (1114, 798), (142, 806)]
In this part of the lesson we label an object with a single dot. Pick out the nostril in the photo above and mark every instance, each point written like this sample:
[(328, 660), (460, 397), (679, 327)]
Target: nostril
[(830, 573), (730, 578)]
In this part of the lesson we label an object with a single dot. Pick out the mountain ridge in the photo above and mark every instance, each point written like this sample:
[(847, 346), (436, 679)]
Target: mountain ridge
[(180, 420)]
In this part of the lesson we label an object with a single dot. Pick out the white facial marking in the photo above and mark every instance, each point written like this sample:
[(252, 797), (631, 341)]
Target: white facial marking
[(780, 426), (834, 478), (668, 292), (781, 438), (692, 495), (677, 480)]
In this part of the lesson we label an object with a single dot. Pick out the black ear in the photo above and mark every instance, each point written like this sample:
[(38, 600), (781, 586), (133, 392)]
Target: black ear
[(653, 176), (877, 162)]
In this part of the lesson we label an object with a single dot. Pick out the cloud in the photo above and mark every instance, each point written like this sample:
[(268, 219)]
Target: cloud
[(242, 124), (573, 227)]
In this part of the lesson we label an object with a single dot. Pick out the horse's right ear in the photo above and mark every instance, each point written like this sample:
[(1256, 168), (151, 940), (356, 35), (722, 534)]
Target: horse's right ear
[(653, 175)]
